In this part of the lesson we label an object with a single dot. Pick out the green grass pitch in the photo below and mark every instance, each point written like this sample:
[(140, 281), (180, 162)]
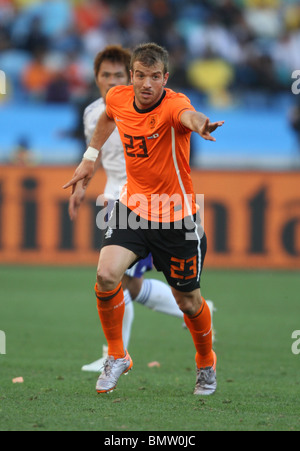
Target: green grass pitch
[(52, 328)]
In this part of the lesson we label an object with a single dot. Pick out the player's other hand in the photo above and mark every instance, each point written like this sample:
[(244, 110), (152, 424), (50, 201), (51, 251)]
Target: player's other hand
[(76, 200), (84, 172), (208, 128)]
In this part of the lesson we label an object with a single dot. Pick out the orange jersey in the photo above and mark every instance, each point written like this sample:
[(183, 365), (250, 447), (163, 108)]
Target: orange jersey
[(157, 152)]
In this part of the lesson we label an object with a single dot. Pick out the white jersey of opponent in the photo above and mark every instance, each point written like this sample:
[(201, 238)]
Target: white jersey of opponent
[(112, 158)]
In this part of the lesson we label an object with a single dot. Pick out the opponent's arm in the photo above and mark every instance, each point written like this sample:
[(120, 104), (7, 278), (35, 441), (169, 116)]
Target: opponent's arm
[(85, 171), (199, 123)]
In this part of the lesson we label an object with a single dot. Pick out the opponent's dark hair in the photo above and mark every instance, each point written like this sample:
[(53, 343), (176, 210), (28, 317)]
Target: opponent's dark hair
[(114, 54)]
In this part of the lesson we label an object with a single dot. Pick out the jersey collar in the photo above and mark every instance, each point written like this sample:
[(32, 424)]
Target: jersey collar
[(148, 110)]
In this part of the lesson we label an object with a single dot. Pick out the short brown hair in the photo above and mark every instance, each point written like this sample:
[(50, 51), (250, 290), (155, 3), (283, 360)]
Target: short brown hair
[(114, 54), (150, 54)]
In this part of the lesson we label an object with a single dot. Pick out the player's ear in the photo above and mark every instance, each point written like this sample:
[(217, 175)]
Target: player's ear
[(166, 78), (131, 76)]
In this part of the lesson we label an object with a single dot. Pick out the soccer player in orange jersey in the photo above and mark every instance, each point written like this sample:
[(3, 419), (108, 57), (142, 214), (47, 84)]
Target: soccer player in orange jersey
[(112, 68), (157, 211)]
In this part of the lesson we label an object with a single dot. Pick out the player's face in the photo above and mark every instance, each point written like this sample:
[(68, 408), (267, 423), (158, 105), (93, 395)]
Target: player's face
[(148, 84), (110, 75)]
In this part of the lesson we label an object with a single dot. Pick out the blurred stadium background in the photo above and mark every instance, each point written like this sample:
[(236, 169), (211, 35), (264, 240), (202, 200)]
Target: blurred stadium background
[(233, 58)]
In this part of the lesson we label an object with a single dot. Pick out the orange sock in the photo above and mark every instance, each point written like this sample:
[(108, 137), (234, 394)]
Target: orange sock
[(111, 308), (200, 328)]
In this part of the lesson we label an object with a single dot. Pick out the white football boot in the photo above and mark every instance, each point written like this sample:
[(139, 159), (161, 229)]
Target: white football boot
[(206, 382), (113, 370)]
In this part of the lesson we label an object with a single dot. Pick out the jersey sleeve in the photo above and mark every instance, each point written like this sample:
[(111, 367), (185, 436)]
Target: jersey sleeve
[(178, 105), (113, 101), (109, 104)]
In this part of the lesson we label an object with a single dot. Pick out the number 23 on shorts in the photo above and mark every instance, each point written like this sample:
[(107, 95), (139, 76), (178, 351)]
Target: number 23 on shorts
[(184, 269)]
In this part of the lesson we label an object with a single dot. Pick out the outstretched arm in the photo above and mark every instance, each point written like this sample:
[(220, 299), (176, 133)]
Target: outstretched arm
[(199, 123), (86, 169), (78, 193)]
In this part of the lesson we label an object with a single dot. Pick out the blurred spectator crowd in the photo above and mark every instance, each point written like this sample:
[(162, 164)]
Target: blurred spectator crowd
[(223, 49)]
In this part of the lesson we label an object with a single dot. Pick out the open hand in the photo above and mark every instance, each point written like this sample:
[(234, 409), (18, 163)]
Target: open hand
[(208, 128)]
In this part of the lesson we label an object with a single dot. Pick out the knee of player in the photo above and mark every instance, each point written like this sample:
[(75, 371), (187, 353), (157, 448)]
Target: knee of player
[(188, 303), (106, 279), (186, 307)]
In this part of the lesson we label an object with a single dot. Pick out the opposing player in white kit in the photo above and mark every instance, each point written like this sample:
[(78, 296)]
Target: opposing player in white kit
[(111, 68)]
